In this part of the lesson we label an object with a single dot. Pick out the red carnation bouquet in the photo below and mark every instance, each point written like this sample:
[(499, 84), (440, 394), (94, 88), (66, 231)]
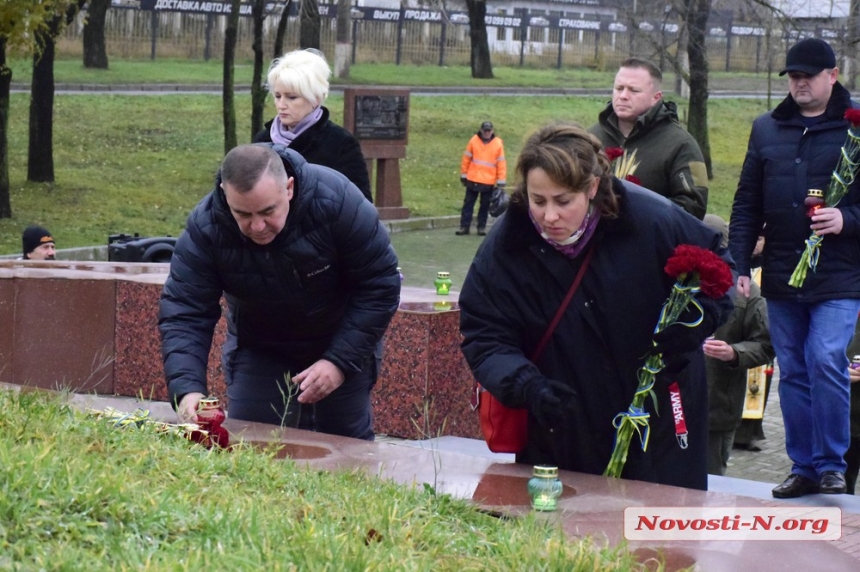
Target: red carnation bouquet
[(207, 429), (624, 165), (695, 270), (840, 180)]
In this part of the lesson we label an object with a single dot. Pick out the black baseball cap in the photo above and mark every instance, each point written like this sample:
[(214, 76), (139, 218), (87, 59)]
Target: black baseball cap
[(809, 56), (486, 126)]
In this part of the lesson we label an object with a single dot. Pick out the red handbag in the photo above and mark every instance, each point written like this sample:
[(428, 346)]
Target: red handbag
[(505, 429)]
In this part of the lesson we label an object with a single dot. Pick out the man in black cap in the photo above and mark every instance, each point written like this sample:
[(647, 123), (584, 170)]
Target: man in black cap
[(793, 149), (38, 244), (482, 169)]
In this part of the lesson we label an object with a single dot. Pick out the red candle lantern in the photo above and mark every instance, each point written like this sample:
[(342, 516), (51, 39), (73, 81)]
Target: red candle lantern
[(210, 416), (814, 200)]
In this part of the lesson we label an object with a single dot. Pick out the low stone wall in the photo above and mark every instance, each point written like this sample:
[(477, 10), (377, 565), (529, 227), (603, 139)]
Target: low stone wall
[(92, 327)]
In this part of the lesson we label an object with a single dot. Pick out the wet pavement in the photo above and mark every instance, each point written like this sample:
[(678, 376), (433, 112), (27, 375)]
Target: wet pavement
[(771, 464)]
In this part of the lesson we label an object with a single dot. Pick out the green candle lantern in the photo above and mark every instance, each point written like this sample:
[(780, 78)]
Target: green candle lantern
[(442, 283), (545, 488)]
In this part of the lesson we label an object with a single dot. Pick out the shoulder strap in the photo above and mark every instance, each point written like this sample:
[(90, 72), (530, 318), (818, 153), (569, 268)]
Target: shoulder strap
[(476, 395), (558, 314)]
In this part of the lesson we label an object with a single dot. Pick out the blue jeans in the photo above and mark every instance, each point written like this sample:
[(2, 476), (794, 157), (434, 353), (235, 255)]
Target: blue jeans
[(814, 391), (473, 190)]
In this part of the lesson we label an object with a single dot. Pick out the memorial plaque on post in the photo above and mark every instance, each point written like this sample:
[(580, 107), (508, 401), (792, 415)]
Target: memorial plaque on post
[(379, 119)]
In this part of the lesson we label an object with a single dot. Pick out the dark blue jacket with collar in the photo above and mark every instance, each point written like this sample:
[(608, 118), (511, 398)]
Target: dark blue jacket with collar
[(785, 159), (325, 287)]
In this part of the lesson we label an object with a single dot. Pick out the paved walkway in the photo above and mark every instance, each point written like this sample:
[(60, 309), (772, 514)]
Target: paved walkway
[(771, 464)]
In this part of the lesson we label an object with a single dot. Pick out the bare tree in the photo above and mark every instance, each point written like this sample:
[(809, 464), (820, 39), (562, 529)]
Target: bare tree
[(853, 45), (227, 98), (258, 92), (40, 152), (482, 68), (281, 30), (696, 18), (5, 89), (343, 34), (19, 19), (95, 53), (309, 28)]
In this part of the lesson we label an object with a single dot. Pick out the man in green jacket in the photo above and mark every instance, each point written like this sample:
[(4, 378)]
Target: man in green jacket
[(664, 157)]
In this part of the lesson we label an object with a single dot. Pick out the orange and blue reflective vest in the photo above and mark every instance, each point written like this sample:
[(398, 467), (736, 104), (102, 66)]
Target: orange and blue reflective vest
[(484, 163)]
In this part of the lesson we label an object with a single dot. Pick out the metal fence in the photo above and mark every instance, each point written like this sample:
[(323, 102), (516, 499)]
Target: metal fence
[(522, 40)]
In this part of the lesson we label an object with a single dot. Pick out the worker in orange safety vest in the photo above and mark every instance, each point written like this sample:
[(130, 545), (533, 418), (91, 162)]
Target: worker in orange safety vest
[(482, 169)]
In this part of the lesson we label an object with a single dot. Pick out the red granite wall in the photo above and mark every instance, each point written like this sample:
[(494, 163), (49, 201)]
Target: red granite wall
[(92, 327)]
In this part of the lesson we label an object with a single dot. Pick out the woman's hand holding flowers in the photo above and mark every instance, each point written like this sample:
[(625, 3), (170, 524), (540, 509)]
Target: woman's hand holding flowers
[(683, 336)]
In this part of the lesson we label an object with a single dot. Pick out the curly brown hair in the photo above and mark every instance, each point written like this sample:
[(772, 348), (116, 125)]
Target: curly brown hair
[(571, 157)]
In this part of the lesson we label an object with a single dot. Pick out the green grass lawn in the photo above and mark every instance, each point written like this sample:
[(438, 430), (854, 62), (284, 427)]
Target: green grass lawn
[(81, 494), (195, 72), (139, 163)]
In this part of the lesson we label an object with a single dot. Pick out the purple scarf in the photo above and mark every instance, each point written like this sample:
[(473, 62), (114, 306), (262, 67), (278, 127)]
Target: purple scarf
[(280, 134), (575, 244)]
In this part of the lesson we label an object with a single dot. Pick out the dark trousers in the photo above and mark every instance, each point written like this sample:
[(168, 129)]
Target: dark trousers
[(719, 451), (473, 190), (257, 391), (852, 459)]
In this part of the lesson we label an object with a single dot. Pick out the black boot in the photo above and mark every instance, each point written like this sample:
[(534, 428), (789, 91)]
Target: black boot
[(462, 231)]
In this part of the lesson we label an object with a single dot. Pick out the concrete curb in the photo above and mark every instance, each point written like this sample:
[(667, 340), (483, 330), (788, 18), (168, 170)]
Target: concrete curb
[(100, 253), (161, 88)]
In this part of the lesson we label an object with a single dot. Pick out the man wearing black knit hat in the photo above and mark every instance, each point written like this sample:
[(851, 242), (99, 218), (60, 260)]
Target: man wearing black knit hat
[(38, 244)]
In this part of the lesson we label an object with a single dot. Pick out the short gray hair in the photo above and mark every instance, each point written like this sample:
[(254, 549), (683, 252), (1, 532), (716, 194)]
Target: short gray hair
[(304, 72), (244, 165)]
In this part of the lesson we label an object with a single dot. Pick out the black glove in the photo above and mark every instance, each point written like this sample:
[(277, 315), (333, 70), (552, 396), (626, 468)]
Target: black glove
[(548, 400), (463, 181), (678, 338)]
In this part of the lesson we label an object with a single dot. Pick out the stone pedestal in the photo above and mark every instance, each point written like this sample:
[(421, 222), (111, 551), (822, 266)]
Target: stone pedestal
[(425, 384), (389, 196)]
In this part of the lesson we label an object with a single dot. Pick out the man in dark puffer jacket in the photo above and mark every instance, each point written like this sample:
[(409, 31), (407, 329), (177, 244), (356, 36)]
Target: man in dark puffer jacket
[(793, 149), (311, 283)]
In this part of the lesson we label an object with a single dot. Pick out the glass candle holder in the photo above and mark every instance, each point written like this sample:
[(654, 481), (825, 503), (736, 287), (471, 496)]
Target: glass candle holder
[(814, 200), (442, 283), (210, 416), (544, 488)]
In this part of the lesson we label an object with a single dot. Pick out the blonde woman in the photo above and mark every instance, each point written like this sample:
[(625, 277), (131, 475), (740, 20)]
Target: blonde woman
[(298, 82)]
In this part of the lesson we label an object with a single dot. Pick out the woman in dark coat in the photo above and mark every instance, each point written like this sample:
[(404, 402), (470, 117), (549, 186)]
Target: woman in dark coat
[(566, 203), (298, 81)]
